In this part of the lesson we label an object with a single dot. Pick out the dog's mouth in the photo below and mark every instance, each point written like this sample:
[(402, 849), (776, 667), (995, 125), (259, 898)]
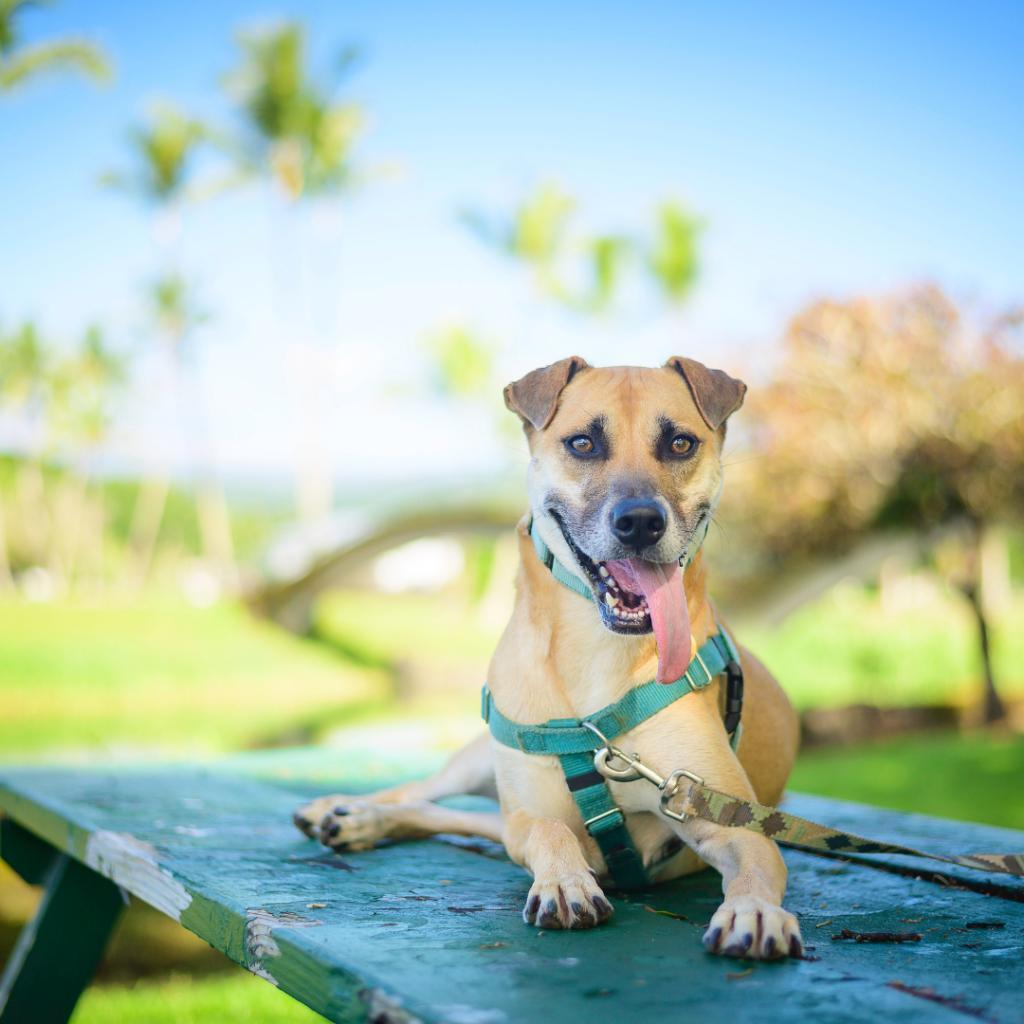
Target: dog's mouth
[(635, 596)]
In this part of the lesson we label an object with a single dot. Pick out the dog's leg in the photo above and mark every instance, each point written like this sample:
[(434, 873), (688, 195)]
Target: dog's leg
[(363, 825), (751, 921), (469, 770), (564, 893)]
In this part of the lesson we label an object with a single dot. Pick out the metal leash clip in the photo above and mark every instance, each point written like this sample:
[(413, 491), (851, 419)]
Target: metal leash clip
[(636, 769)]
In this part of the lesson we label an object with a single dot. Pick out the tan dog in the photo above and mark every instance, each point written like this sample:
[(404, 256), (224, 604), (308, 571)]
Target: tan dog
[(624, 477)]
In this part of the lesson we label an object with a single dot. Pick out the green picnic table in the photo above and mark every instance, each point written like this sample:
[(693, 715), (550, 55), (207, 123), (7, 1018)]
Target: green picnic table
[(430, 931)]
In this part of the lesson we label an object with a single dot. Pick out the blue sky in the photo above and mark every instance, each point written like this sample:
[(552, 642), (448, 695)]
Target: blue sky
[(830, 149)]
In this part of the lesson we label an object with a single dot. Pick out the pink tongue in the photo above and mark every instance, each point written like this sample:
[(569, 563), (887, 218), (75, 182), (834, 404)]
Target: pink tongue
[(662, 587)]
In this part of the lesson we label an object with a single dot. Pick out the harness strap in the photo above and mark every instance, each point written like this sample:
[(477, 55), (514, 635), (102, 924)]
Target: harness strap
[(634, 707), (604, 820), (574, 743)]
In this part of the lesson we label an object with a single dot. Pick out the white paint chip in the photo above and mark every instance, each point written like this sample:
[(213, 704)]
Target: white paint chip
[(134, 866), (260, 943)]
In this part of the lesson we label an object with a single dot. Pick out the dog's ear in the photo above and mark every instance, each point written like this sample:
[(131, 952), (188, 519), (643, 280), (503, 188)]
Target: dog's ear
[(716, 394), (534, 398)]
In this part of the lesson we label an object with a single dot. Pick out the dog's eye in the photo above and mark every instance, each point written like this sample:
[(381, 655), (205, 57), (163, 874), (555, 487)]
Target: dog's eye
[(581, 444), (683, 444)]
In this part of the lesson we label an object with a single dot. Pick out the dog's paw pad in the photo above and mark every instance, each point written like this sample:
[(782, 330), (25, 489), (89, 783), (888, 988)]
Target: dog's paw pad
[(573, 901)]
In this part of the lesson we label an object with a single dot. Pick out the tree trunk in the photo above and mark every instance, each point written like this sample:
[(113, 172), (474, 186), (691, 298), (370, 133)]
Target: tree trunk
[(144, 532), (993, 709), (6, 579)]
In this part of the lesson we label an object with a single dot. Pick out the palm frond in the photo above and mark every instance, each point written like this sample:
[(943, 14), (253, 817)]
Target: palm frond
[(57, 56), (673, 255)]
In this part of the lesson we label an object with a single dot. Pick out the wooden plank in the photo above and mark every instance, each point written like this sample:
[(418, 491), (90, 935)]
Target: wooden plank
[(431, 930), (59, 949)]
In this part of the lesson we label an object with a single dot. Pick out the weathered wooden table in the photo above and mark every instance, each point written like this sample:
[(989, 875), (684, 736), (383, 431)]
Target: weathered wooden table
[(431, 930)]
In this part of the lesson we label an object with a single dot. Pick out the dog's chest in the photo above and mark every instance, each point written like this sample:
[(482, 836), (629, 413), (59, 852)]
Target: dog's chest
[(537, 784)]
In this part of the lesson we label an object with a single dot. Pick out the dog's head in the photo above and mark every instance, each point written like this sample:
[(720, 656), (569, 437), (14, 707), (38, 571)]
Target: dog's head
[(624, 477)]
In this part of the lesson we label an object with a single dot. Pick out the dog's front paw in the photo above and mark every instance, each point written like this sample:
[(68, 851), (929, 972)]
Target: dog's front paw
[(755, 929), (356, 826), (573, 901), (308, 817)]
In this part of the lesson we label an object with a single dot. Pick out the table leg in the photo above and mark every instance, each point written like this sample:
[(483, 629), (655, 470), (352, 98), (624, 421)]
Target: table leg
[(57, 951)]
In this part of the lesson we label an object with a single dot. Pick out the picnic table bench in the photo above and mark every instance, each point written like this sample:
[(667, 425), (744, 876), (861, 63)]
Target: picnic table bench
[(430, 931)]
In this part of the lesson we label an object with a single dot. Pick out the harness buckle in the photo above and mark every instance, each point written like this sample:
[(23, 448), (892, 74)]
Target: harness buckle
[(707, 674), (601, 817), (671, 789), (733, 696)]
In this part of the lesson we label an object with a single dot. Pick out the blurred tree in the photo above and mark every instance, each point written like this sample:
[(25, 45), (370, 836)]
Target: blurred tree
[(463, 362), (163, 153), (535, 234), (84, 385), (585, 272), (296, 132), (25, 364), (672, 254), (887, 413), (175, 314), (21, 63), (299, 136)]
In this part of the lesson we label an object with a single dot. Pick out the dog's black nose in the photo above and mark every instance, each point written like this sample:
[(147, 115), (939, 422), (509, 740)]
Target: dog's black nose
[(638, 522)]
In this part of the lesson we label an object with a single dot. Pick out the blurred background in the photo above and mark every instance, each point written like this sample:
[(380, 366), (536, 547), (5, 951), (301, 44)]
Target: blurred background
[(264, 271)]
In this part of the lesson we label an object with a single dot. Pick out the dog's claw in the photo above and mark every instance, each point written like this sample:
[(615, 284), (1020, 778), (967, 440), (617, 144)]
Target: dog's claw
[(574, 902), (304, 825), (754, 929)]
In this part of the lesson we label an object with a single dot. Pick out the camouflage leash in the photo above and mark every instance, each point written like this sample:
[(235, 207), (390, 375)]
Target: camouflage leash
[(684, 795)]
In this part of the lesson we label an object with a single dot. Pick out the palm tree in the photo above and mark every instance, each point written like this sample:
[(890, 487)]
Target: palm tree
[(176, 314), (21, 63), (83, 385), (163, 148), (535, 234), (299, 136), (672, 258), (24, 389), (295, 132), (538, 235)]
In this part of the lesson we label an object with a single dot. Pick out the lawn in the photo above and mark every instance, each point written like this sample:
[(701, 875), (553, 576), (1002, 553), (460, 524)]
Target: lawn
[(847, 649), (161, 677), (234, 997), (974, 777)]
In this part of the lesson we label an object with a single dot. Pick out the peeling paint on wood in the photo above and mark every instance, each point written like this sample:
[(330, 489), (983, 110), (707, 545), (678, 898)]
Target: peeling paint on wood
[(259, 937), (133, 865), (383, 1008)]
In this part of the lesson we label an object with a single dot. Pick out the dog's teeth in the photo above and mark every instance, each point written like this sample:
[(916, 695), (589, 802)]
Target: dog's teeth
[(604, 572), (609, 600)]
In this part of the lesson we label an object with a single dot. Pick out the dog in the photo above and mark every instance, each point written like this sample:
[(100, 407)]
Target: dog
[(624, 477)]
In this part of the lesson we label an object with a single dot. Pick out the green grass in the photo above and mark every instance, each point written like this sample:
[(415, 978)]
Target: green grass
[(161, 677), (234, 997), (390, 627), (969, 777), (846, 649)]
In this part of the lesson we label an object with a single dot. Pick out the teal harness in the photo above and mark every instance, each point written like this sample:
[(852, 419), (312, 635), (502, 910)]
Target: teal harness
[(575, 741)]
